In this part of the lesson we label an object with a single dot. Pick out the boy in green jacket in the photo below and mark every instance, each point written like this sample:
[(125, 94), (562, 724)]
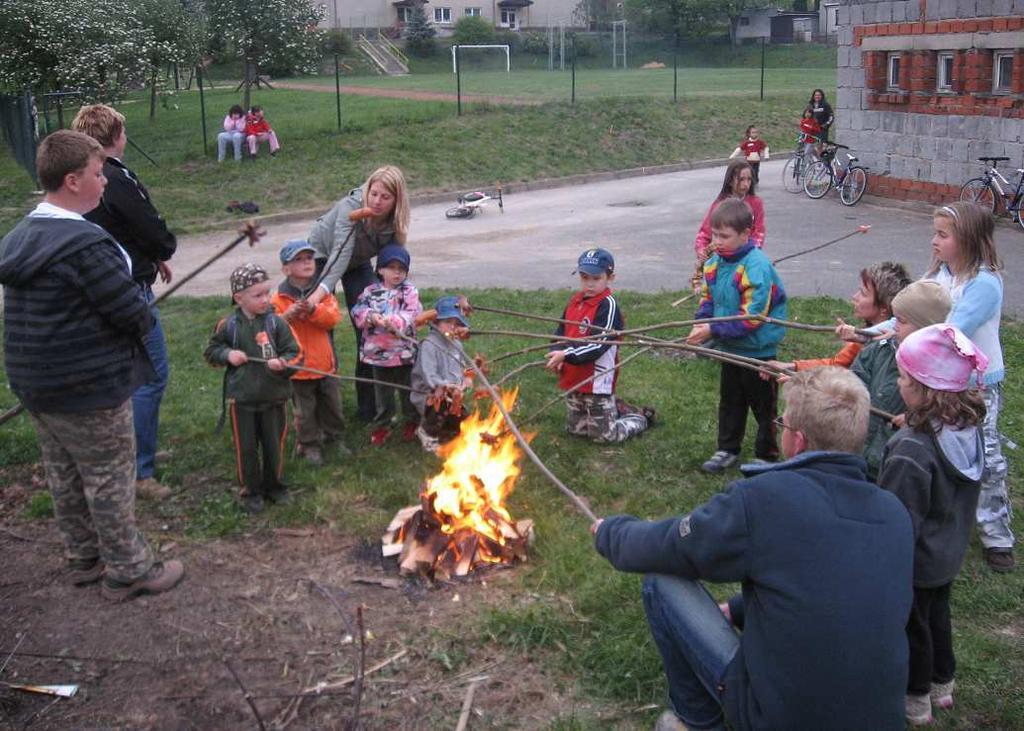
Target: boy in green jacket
[(256, 390)]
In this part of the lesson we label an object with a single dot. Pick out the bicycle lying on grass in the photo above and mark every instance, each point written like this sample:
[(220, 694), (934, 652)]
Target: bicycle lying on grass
[(797, 165), (470, 203), (987, 190), (850, 180)]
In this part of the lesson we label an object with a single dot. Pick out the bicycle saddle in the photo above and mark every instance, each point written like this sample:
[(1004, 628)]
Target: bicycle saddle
[(993, 159), (853, 159)]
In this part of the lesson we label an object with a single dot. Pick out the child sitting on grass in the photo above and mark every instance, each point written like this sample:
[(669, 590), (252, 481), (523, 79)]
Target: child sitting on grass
[(386, 312), (258, 129), (316, 399), (934, 466), (439, 377), (589, 371), (256, 393), (918, 305), (739, 279), (872, 304)]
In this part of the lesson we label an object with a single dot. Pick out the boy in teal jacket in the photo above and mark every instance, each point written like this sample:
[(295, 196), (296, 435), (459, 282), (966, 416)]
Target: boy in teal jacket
[(740, 280)]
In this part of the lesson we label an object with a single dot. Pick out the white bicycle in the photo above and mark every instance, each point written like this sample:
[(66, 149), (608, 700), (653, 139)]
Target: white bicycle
[(470, 203)]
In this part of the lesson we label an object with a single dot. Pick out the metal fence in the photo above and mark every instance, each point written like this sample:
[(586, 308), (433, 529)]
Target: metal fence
[(18, 122)]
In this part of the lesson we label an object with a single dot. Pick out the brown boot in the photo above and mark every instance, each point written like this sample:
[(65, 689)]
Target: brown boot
[(84, 572), (1000, 559), (160, 578), (149, 489)]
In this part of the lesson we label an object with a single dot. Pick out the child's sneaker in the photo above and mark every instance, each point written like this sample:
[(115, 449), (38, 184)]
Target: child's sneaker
[(252, 504), (669, 721), (409, 431), (942, 695), (280, 495), (919, 710), (380, 436), (160, 578), (429, 443), (719, 462)]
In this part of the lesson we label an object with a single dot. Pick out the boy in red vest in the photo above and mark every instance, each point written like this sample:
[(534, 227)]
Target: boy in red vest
[(588, 371)]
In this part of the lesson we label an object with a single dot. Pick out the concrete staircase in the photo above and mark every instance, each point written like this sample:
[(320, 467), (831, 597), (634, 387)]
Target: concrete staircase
[(385, 56)]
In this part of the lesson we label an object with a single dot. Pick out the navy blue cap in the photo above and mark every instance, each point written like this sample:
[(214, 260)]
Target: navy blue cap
[(448, 309), (596, 262), (293, 248), (393, 252)]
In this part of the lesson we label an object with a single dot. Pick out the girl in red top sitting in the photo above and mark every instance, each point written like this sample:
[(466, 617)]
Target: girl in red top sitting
[(811, 130), (258, 129), (752, 149)]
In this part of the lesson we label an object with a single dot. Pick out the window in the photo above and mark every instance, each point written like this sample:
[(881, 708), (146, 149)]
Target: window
[(443, 15), (508, 18), (404, 14), (1002, 71), (744, 20), (944, 72), (894, 71), (472, 12)]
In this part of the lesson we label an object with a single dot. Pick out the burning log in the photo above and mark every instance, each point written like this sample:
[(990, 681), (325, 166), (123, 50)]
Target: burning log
[(461, 522)]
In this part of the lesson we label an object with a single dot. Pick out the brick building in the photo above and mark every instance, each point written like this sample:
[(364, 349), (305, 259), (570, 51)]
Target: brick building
[(925, 87)]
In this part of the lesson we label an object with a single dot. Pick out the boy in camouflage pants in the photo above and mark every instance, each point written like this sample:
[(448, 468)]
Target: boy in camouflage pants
[(589, 370), (73, 327)]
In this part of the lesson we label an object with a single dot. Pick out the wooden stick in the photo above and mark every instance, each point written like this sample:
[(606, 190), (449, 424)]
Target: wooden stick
[(247, 696), (357, 691), (318, 688), (863, 229), (467, 705), (511, 425), (339, 377), (250, 232), (516, 371)]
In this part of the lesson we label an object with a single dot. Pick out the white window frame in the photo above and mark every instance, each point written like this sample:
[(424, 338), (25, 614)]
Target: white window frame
[(440, 16), (404, 14), (509, 18), (472, 12), (998, 56), (944, 82), (891, 61)]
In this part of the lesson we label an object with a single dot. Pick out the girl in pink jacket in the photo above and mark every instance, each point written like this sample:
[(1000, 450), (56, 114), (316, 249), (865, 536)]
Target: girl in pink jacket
[(739, 183), (234, 132)]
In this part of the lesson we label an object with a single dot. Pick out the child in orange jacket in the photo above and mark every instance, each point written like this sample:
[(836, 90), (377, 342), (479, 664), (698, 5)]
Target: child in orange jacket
[(317, 400)]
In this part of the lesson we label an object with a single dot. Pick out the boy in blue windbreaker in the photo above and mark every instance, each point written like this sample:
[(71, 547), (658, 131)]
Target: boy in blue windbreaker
[(740, 280)]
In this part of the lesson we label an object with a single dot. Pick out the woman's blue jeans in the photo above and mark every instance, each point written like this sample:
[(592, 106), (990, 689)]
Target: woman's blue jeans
[(146, 400), (696, 643)]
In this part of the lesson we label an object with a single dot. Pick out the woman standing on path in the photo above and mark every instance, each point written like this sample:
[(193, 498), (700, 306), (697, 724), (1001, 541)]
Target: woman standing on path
[(822, 112), (346, 248)]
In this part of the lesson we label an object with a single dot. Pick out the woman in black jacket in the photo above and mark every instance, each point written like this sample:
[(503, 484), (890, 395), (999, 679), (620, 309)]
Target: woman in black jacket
[(822, 112)]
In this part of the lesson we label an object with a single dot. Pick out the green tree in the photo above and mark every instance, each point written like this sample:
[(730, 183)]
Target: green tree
[(97, 46), (473, 29), (278, 33), (419, 33), (176, 34)]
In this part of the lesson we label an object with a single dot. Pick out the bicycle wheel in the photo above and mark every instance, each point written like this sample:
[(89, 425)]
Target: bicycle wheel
[(979, 190), (818, 180), (851, 190), (460, 212), (792, 174), (1019, 216)]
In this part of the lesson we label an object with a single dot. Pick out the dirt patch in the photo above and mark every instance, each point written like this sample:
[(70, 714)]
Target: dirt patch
[(161, 662)]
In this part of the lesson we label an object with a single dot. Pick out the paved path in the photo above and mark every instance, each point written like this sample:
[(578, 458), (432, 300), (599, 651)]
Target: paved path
[(648, 223)]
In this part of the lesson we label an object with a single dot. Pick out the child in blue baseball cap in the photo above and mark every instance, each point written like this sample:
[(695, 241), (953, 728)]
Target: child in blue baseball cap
[(589, 371), (386, 312), (439, 372)]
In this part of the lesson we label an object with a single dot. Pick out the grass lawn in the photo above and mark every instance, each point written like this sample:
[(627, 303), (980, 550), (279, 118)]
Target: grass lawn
[(567, 601), (436, 149)]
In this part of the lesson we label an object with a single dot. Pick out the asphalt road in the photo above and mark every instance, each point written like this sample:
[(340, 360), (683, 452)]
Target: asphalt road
[(648, 223)]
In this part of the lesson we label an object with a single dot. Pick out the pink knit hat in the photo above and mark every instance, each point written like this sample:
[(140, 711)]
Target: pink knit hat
[(941, 357)]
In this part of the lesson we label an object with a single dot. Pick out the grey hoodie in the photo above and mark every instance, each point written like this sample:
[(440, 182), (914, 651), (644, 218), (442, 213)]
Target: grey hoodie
[(937, 477), (439, 363)]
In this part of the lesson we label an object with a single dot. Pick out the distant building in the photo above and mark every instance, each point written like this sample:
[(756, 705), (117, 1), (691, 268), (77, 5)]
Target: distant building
[(503, 14), (925, 87), (784, 26)]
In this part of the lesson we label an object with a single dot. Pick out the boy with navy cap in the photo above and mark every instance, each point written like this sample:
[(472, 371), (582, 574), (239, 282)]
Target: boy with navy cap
[(317, 401), (439, 370), (386, 312), (589, 370)]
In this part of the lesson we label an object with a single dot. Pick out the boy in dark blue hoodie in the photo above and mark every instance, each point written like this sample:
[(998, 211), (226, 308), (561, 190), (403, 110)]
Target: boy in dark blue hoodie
[(825, 560)]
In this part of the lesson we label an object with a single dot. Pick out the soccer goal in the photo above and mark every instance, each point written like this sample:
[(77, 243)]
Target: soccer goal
[(504, 47)]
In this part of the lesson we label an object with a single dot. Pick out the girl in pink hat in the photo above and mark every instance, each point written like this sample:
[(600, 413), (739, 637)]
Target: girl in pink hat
[(934, 466)]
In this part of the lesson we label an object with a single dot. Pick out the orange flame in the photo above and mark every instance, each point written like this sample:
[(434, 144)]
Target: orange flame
[(479, 473)]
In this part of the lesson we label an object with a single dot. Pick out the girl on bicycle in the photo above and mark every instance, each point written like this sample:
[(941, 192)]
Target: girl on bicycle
[(346, 247), (964, 260), (811, 131)]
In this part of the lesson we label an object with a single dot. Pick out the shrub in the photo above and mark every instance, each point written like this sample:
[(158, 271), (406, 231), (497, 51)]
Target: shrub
[(473, 29), (419, 34), (535, 42), (337, 41)]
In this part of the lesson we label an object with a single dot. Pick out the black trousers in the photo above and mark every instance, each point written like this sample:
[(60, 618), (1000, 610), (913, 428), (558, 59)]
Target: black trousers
[(755, 169), (930, 634), (740, 389), (259, 433), (353, 282), (385, 395)]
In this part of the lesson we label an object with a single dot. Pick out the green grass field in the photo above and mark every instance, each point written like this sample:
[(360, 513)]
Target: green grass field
[(573, 604)]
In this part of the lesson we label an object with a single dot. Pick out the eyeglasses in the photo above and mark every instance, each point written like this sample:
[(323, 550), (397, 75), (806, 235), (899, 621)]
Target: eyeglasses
[(781, 424)]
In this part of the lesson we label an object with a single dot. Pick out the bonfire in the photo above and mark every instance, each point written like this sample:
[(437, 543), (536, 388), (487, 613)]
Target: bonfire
[(461, 522)]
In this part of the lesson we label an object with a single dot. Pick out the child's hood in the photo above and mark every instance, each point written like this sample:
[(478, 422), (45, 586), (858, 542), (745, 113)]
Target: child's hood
[(36, 243), (963, 449)]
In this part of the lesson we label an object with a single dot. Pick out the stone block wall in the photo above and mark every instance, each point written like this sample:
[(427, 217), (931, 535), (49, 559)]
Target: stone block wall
[(922, 143)]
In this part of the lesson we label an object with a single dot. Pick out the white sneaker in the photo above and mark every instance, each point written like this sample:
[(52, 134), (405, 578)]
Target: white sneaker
[(430, 444), (919, 710), (942, 694), (669, 721)]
